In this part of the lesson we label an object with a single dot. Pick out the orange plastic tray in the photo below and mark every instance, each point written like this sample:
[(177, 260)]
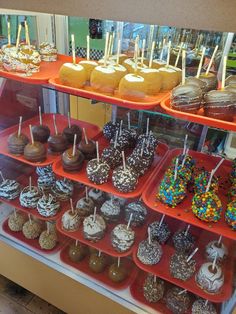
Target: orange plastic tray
[(34, 243), (82, 266), (198, 118), (202, 239), (62, 122), (104, 244), (148, 103), (24, 181), (81, 176), (47, 71), (183, 211)]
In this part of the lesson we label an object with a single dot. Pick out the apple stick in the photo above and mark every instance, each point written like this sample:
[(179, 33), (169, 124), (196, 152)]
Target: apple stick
[(9, 33), (176, 168), (143, 50), (14, 212), (88, 48), (183, 66), (151, 54), (27, 38), (183, 291), (94, 213), (168, 54), (118, 261), (97, 150), (55, 124), (2, 177), (40, 116), (201, 62), (206, 302), (19, 127), (112, 44), (106, 48), (185, 143), (162, 219), (123, 159), (121, 126), (214, 261), (74, 145), (29, 216), (48, 227), (147, 127), (18, 36), (212, 59), (185, 156), (224, 72), (187, 230), (68, 118), (136, 55), (155, 278), (73, 48), (71, 206), (149, 236), (99, 253), (128, 116), (85, 136), (118, 52), (178, 55), (31, 134), (192, 254), (76, 242), (220, 239), (86, 193), (129, 222), (109, 46), (142, 148)]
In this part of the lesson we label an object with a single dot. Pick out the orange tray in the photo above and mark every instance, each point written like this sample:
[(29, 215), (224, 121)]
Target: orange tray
[(34, 244), (24, 181), (198, 118), (183, 211), (81, 176), (202, 239), (47, 71), (102, 277), (148, 103), (104, 244), (62, 122)]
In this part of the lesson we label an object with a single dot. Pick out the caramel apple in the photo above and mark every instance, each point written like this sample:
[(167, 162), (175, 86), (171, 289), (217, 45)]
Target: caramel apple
[(73, 75), (117, 273), (97, 262), (170, 78), (133, 87), (88, 65), (77, 252), (153, 80)]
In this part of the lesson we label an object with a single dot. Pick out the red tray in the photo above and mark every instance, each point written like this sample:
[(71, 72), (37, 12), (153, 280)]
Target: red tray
[(148, 103), (198, 118), (203, 238), (102, 277), (104, 244), (34, 243), (81, 176), (47, 71), (183, 211), (92, 131), (24, 181)]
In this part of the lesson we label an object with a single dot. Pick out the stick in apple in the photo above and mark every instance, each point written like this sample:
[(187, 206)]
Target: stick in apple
[(201, 62), (212, 59)]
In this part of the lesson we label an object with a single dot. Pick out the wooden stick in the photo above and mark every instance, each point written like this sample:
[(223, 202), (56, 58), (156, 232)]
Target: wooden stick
[(3, 179), (74, 145), (220, 239), (73, 48), (9, 33), (86, 192), (176, 168), (149, 236), (88, 47), (106, 48), (183, 291), (68, 118), (143, 50), (76, 242), (30, 183), (214, 261), (112, 43), (118, 52), (151, 54), (147, 127), (121, 126), (31, 134), (48, 227), (187, 230), (94, 213), (118, 261), (40, 116), (209, 181), (130, 219), (14, 212), (71, 206), (193, 253), (99, 253), (19, 128), (155, 278), (55, 124), (183, 66), (109, 46), (162, 219), (201, 62), (18, 36), (116, 138), (128, 116), (29, 216), (168, 54), (178, 55), (97, 150), (224, 72), (123, 159), (185, 143), (136, 55), (85, 136), (27, 38), (212, 59)]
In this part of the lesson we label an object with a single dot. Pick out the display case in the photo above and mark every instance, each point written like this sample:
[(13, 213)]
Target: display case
[(100, 235)]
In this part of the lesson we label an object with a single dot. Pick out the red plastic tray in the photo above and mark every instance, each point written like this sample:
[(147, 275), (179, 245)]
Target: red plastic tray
[(183, 211), (102, 277), (62, 122), (202, 239), (34, 243), (104, 244), (47, 71), (81, 176), (24, 181), (148, 103), (198, 118), (136, 290)]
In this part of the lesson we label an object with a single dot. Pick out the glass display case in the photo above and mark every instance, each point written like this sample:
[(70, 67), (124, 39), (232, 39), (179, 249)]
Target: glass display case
[(139, 206)]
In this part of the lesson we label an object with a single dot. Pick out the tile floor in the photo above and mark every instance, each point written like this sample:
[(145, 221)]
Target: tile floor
[(16, 300)]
